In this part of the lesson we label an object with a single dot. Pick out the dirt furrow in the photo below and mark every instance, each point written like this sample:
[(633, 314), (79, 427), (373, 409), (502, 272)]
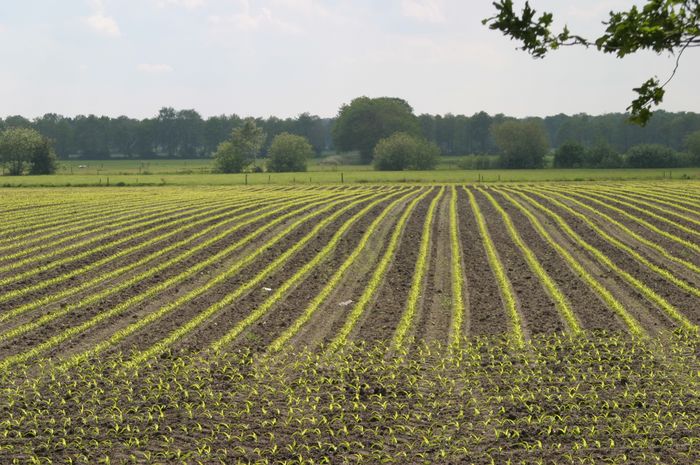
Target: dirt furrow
[(590, 310), (687, 304), (259, 336), (485, 313), (83, 314), (537, 308), (380, 319), (147, 336), (672, 247), (432, 321)]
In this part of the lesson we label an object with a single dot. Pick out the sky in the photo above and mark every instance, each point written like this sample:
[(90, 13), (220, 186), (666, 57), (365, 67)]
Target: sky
[(285, 57)]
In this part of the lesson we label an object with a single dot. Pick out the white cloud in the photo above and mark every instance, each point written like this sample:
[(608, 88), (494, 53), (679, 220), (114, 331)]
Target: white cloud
[(154, 68), (103, 25), (191, 4), (248, 21), (423, 10), (305, 7)]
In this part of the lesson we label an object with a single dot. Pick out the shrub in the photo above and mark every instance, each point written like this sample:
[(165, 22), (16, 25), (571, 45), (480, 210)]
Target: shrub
[(228, 159), (289, 152), (402, 151), (569, 155), (651, 156)]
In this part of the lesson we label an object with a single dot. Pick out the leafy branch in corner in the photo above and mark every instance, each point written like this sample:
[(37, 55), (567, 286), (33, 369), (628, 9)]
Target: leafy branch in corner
[(660, 25)]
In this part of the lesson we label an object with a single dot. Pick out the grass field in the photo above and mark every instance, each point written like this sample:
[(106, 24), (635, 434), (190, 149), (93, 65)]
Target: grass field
[(198, 172), (427, 323)]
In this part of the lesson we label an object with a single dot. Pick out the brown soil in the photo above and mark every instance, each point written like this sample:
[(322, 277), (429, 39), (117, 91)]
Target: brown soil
[(226, 318), (687, 304), (137, 254), (659, 224), (86, 313), (664, 204), (590, 310), (331, 316), (261, 334), (381, 317), (537, 309), (672, 247), (485, 313), (433, 320), (172, 218)]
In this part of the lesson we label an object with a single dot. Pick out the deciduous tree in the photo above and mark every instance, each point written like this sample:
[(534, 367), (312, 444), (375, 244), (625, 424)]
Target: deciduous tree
[(569, 155), (236, 154), (523, 143), (692, 143), (22, 148), (362, 123), (289, 152)]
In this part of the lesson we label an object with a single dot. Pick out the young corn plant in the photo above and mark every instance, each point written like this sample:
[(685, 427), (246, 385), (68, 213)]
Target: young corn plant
[(321, 297), (642, 288), (205, 315), (562, 304), (456, 273), (506, 288), (376, 279), (296, 278), (418, 274)]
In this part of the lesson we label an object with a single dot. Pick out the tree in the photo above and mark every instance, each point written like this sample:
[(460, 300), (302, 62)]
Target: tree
[(43, 158), (402, 151), (91, 135), (602, 155), (313, 129), (569, 155), (692, 143), (22, 147), (166, 130), (236, 154), (229, 159), (288, 152), (660, 25), (523, 143), (362, 123)]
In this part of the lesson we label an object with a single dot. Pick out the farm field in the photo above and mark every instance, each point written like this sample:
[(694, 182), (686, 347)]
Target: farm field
[(431, 323)]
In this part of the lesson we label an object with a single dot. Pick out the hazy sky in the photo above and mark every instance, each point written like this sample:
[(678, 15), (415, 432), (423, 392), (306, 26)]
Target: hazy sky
[(285, 57)]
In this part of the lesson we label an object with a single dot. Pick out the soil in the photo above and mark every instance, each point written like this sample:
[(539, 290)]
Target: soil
[(484, 312), (537, 309), (222, 322), (331, 316), (591, 312), (686, 303), (433, 321), (84, 314), (672, 247), (382, 316), (262, 333)]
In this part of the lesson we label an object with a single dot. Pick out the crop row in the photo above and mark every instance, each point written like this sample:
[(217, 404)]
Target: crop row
[(187, 272)]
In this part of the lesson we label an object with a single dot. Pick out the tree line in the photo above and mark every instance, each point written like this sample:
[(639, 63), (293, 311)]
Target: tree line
[(186, 134), (170, 134)]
